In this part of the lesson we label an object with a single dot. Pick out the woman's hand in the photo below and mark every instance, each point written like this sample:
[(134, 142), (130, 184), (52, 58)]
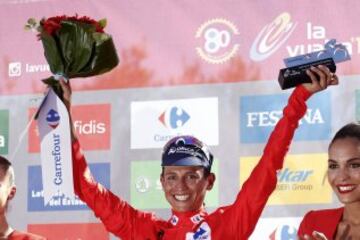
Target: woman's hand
[(314, 236)]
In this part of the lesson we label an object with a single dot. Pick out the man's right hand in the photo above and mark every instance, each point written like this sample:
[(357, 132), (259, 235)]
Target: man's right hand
[(66, 87)]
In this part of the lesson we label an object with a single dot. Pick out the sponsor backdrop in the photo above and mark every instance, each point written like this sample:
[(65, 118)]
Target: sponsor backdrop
[(207, 68)]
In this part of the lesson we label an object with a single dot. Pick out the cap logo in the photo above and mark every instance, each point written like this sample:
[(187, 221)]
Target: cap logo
[(184, 150), (180, 140), (172, 150)]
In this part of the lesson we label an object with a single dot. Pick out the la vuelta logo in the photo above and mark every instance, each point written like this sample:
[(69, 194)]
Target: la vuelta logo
[(271, 37)]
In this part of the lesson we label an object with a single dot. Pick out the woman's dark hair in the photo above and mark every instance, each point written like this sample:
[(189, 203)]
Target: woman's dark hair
[(349, 130)]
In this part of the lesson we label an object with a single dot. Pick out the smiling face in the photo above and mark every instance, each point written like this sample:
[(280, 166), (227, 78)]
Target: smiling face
[(344, 169), (185, 187)]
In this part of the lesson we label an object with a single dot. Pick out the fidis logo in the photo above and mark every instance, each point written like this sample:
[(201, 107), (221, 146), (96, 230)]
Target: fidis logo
[(53, 118), (100, 171), (357, 105), (300, 181), (91, 123), (284, 232), (272, 36), (4, 131), (153, 123), (70, 231), (174, 117), (259, 114), (146, 190)]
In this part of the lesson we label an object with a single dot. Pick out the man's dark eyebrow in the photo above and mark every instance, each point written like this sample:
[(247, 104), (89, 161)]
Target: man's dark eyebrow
[(349, 160), (187, 172), (353, 159)]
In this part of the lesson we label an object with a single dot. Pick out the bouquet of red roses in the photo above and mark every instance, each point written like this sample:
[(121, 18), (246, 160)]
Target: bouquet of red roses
[(74, 47)]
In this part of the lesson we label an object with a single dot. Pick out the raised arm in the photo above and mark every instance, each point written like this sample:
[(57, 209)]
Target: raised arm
[(255, 192), (117, 215)]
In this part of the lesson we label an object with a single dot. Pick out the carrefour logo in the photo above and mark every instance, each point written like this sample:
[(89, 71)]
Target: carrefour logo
[(153, 123), (174, 117), (53, 118), (202, 233), (4, 131), (259, 115), (271, 37), (284, 232)]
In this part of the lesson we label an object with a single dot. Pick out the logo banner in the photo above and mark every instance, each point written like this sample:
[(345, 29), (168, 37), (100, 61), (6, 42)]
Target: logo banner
[(153, 123), (4, 131), (55, 145)]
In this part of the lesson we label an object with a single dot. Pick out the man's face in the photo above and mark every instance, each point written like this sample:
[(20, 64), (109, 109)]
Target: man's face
[(7, 191), (185, 187)]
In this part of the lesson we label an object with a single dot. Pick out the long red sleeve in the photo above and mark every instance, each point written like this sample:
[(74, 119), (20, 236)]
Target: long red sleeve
[(117, 215), (242, 216)]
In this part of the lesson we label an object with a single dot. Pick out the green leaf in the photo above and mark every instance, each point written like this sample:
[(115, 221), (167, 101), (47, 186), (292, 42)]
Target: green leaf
[(52, 53), (100, 37), (27, 27), (103, 22), (104, 59), (32, 21), (76, 45)]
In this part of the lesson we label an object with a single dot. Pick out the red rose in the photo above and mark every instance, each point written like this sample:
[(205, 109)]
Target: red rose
[(51, 25)]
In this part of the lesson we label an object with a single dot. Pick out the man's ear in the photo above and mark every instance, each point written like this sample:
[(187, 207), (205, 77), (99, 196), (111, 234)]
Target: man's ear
[(12, 192), (162, 179), (211, 180)]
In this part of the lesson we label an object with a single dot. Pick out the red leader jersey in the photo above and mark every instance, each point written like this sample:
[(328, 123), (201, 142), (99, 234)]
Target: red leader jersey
[(236, 221)]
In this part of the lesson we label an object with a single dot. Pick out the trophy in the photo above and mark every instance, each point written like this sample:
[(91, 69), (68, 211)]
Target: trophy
[(295, 71)]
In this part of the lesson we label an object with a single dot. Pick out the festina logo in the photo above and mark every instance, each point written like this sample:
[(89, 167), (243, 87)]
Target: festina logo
[(270, 118)]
